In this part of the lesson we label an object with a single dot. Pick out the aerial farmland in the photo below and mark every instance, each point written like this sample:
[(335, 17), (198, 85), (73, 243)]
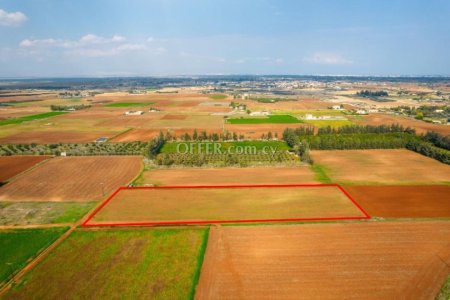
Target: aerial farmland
[(145, 155)]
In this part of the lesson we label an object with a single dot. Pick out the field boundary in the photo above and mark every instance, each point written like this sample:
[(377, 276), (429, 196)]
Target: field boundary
[(87, 223)]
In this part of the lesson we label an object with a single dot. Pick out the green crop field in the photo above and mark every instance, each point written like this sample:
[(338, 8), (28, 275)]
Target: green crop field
[(18, 246), (218, 97), (199, 147), (128, 104), (131, 263), (31, 118), (275, 119), (24, 213)]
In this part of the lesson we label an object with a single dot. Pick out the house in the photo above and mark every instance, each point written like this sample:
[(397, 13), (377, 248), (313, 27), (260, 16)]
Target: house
[(337, 107), (101, 140), (134, 113), (361, 112)]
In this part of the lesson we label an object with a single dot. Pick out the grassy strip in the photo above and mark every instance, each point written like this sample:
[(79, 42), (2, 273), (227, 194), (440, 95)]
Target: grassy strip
[(31, 118), (218, 97), (445, 291), (320, 174), (274, 119), (128, 104), (19, 246), (200, 258)]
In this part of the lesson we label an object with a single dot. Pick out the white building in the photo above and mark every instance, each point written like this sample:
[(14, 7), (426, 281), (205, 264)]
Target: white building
[(134, 113)]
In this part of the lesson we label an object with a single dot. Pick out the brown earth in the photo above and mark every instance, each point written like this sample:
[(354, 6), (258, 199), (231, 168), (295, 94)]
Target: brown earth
[(382, 260), (256, 130), (53, 137), (141, 134), (420, 126), (10, 166), (398, 166), (225, 204), (174, 117), (73, 179), (270, 175), (403, 201)]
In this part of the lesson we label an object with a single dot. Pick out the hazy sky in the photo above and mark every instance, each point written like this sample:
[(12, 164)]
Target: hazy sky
[(170, 37)]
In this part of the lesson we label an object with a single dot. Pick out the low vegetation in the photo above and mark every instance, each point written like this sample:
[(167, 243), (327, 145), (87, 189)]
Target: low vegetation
[(274, 119), (30, 118), (18, 246), (68, 107)]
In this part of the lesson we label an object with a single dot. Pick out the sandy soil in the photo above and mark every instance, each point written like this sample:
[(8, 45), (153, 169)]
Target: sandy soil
[(397, 166), (12, 165), (403, 201), (420, 126), (270, 175), (73, 179), (381, 260), (224, 204)]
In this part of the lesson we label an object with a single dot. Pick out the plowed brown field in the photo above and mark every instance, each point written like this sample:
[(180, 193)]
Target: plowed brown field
[(12, 165), (380, 260), (261, 175), (225, 204), (399, 166), (73, 179), (54, 137), (403, 201)]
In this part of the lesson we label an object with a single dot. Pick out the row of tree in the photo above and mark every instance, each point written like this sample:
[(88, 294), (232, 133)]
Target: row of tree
[(352, 129), (68, 107)]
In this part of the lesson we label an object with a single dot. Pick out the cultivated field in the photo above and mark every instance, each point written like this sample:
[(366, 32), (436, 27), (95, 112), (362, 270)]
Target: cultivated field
[(398, 166), (20, 245), (10, 166), (112, 264), (225, 204), (326, 261), (73, 179), (263, 175), (403, 201)]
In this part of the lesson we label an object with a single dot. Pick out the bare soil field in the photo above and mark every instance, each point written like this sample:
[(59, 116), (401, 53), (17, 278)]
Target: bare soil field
[(256, 130), (225, 204), (420, 126), (403, 201), (54, 137), (383, 260), (144, 134), (73, 179), (397, 166), (270, 175), (174, 117), (10, 166)]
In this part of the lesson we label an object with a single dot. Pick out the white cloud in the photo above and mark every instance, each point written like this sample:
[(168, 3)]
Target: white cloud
[(28, 43), (95, 39), (12, 19), (327, 58)]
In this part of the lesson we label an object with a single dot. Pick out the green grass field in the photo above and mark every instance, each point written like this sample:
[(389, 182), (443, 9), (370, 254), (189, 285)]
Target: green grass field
[(24, 213), (20, 245), (321, 174), (31, 118), (128, 104), (274, 119), (217, 97), (129, 264), (171, 147)]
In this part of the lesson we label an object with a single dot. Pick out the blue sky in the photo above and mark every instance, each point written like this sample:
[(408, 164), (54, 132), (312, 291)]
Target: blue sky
[(179, 37)]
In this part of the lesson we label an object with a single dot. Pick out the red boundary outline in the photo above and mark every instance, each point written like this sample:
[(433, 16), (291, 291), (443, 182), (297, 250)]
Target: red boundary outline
[(199, 222)]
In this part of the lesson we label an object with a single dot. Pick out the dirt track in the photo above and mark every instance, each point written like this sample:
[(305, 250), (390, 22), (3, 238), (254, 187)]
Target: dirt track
[(73, 179), (403, 201), (326, 261), (10, 166)]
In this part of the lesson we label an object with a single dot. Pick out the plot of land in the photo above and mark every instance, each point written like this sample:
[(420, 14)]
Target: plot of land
[(275, 119), (403, 201), (256, 130), (174, 117), (128, 104), (73, 179), (19, 245), (32, 213), (54, 137), (30, 118), (381, 167), (210, 205), (10, 166), (326, 261), (274, 175), (130, 264)]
